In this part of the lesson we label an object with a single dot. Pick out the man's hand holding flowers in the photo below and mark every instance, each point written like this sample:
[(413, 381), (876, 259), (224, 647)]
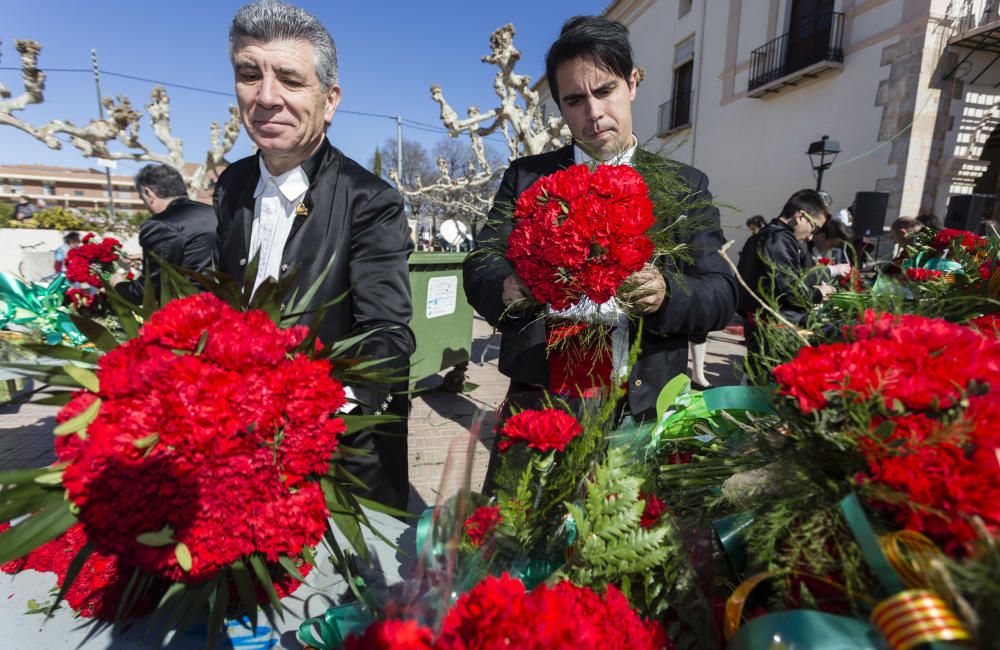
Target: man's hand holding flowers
[(644, 291)]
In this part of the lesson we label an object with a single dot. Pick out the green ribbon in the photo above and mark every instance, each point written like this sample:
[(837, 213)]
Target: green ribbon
[(33, 305), (425, 526), (335, 625), (730, 532), (806, 629), (822, 631), (677, 409), (858, 522)]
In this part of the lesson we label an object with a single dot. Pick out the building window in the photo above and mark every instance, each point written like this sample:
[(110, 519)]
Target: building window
[(676, 113), (77, 192), (48, 189), (683, 8), (16, 187), (683, 90)]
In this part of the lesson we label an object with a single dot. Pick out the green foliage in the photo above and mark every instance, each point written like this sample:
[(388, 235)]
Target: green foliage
[(58, 218), (6, 214), (610, 542), (977, 581), (650, 566)]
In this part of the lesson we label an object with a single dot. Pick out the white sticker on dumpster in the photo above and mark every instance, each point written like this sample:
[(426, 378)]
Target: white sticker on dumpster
[(442, 295)]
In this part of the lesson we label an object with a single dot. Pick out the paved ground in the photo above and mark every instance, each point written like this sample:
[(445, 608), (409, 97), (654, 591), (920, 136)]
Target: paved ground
[(446, 428)]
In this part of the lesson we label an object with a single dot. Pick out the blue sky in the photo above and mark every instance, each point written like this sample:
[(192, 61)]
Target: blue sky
[(391, 51)]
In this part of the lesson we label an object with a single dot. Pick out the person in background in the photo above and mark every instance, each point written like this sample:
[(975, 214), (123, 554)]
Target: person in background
[(776, 262), (755, 224), (929, 220), (181, 231), (24, 209), (845, 215), (71, 240)]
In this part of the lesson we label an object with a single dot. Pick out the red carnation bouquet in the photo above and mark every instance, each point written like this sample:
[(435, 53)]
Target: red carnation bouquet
[(580, 233), (89, 261), (931, 391), (500, 613), (88, 267), (197, 460)]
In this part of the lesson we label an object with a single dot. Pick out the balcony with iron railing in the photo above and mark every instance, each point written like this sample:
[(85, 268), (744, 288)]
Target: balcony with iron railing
[(810, 46), (973, 17), (675, 114)]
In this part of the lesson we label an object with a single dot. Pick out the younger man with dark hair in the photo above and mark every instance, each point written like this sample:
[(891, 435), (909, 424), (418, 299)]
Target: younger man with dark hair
[(593, 81), (775, 261)]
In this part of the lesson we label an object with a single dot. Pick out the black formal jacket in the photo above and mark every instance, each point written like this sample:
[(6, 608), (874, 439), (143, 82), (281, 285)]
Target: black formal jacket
[(776, 264), (182, 235), (705, 302), (357, 220)]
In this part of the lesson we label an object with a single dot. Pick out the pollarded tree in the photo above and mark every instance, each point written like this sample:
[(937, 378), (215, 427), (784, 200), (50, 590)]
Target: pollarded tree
[(121, 124), (518, 119)]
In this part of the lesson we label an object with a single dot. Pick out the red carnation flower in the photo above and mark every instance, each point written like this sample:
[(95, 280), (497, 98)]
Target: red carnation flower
[(653, 511), (967, 240), (494, 612), (392, 635), (542, 430), (481, 523), (988, 325), (922, 275)]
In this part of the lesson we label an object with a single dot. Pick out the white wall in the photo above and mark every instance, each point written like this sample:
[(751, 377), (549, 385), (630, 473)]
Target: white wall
[(753, 150), (14, 241)]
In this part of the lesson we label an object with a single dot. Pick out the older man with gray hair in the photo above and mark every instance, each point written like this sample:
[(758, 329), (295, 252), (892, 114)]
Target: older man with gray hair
[(300, 205)]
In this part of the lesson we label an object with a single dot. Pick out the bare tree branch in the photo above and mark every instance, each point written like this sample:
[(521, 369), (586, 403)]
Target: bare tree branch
[(122, 124)]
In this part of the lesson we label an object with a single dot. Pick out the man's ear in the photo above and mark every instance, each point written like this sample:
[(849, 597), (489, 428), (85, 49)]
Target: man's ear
[(333, 96)]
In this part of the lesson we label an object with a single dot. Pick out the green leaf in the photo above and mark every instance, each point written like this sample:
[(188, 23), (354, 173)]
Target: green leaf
[(126, 313), (95, 332), (80, 422), (355, 423), (71, 573), (20, 476), (52, 478), (264, 579), (148, 441), (173, 599), (388, 510), (162, 537), (244, 587), (62, 398), (34, 531), (669, 394), (63, 352), (183, 556), (218, 603), (128, 597), (202, 342), (84, 377), (344, 512), (289, 566)]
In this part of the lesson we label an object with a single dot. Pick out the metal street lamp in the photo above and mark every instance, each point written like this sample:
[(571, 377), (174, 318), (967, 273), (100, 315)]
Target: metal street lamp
[(822, 153)]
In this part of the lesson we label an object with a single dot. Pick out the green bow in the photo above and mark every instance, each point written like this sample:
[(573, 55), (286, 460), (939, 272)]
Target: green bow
[(38, 306)]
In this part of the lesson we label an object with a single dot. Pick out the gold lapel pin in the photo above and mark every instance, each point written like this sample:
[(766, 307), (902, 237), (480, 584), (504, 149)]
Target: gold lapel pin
[(301, 210)]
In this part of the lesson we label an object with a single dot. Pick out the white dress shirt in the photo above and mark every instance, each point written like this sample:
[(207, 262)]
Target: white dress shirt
[(274, 211)]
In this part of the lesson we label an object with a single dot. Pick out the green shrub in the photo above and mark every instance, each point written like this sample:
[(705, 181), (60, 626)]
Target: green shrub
[(58, 218), (6, 214)]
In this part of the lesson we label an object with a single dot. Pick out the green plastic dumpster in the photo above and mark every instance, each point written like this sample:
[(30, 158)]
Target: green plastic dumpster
[(442, 317)]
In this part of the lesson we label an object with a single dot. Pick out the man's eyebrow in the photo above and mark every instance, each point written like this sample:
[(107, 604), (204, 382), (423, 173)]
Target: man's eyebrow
[(290, 72), (247, 65), (604, 87)]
